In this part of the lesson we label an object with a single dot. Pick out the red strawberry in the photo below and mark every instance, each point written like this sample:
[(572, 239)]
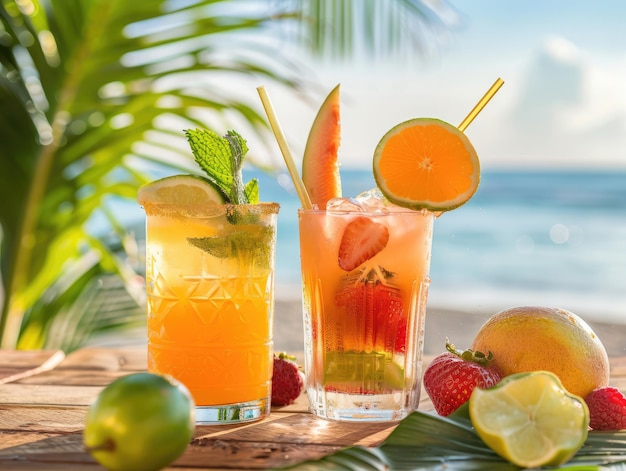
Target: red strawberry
[(607, 409), (362, 239), (287, 380), (375, 311), (401, 332), (452, 376)]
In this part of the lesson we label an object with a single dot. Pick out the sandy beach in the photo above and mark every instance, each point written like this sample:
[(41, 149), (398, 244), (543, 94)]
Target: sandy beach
[(459, 327)]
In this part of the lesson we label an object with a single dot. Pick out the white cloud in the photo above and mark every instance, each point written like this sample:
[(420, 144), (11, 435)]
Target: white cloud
[(561, 105), (569, 110)]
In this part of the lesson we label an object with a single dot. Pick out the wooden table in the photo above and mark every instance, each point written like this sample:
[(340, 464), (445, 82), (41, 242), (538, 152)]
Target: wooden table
[(44, 396)]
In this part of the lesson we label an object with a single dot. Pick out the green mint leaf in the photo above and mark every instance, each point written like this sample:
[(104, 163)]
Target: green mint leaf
[(212, 153), (252, 191), (222, 159), (249, 246), (238, 149)]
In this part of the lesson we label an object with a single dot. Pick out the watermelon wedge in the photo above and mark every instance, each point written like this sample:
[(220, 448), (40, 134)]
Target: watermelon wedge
[(320, 166)]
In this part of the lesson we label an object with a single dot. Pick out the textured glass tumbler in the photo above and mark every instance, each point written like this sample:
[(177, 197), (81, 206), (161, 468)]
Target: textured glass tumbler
[(210, 304), (364, 311)]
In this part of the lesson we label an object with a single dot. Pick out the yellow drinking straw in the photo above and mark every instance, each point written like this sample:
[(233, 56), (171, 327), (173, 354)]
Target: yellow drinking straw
[(481, 104), (282, 143)]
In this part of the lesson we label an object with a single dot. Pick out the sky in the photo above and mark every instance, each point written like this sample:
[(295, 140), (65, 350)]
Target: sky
[(563, 103)]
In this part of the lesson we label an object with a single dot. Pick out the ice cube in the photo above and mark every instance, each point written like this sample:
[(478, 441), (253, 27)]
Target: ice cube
[(343, 205), (373, 194), (369, 201), (372, 200)]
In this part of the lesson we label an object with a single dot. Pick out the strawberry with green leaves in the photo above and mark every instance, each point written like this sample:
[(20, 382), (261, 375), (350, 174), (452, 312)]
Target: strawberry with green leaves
[(452, 376)]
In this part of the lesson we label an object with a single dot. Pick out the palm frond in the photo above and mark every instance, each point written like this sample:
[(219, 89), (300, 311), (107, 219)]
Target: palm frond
[(94, 92), (375, 29), (424, 441), (83, 83)]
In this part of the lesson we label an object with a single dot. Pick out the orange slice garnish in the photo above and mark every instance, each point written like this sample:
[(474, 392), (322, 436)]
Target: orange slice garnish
[(426, 163)]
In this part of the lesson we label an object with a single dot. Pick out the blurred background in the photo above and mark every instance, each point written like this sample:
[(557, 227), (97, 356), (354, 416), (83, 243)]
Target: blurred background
[(94, 96)]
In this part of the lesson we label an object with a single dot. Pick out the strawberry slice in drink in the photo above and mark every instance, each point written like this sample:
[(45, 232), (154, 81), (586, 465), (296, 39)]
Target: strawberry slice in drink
[(362, 239)]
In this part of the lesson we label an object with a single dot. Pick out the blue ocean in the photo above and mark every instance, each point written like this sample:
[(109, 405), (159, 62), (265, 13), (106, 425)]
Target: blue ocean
[(554, 238)]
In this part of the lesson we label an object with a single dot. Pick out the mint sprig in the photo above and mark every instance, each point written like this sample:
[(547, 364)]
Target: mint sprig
[(251, 247), (222, 160)]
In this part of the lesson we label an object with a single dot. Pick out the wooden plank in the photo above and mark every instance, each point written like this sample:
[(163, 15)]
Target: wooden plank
[(25, 359), (47, 465), (14, 438), (79, 377), (300, 429), (127, 359), (618, 368), (239, 451), (281, 440), (41, 419), (240, 455), (47, 394), (19, 364), (47, 452)]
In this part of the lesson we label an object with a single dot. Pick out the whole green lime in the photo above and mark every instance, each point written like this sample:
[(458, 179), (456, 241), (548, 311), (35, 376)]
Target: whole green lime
[(140, 422)]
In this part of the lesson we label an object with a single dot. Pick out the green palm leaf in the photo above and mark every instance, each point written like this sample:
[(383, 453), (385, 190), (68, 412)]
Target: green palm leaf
[(83, 83), (93, 93), (374, 28), (425, 441)]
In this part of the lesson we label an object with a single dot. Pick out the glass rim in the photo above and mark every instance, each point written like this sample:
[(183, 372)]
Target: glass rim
[(208, 209), (196, 205), (403, 211)]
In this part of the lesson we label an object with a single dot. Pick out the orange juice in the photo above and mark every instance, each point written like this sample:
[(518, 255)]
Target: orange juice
[(365, 284), (210, 279)]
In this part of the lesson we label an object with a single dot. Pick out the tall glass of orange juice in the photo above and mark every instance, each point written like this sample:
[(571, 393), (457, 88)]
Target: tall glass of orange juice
[(364, 315), (210, 257), (210, 280)]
